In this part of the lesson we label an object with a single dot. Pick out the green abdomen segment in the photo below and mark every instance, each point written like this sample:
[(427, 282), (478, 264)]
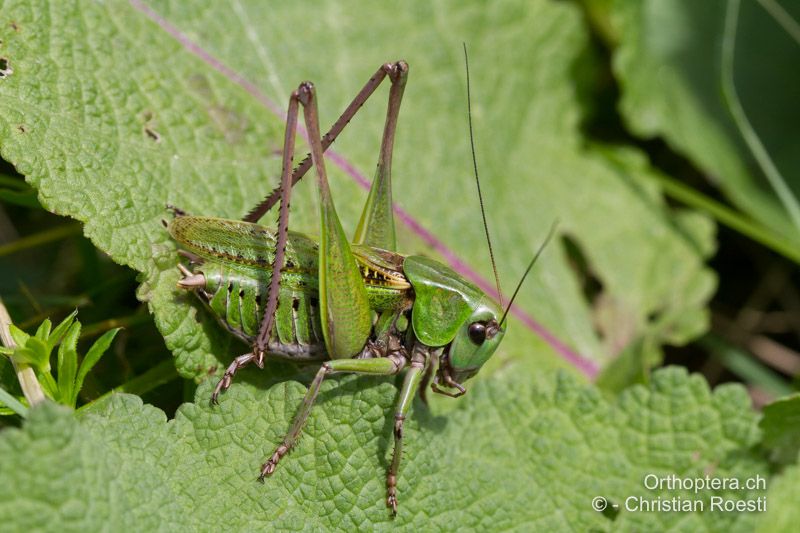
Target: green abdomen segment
[(237, 301), (235, 259)]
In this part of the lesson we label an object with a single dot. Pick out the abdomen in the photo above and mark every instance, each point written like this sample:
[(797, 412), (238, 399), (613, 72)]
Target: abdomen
[(237, 301), (235, 258)]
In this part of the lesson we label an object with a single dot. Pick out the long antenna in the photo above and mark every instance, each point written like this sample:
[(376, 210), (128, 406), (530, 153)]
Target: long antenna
[(478, 181), (530, 266)]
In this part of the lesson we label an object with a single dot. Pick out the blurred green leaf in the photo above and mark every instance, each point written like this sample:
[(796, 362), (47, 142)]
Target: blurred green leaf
[(783, 513), (12, 405), (746, 366), (781, 427), (21, 198), (668, 61)]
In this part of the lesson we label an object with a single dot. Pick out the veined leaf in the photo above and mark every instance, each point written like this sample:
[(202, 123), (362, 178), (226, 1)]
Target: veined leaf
[(507, 456), (142, 105)]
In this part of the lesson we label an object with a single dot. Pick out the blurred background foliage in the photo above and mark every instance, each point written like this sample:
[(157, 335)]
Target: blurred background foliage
[(48, 269), (715, 108), (659, 80)]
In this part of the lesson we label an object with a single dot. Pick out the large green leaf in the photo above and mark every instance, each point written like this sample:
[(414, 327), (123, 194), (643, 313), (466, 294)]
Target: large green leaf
[(668, 61), (506, 457), (113, 110)]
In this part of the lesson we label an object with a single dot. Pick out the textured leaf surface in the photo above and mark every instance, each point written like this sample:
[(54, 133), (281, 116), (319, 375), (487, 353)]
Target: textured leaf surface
[(783, 513), (111, 117), (668, 64), (506, 457)]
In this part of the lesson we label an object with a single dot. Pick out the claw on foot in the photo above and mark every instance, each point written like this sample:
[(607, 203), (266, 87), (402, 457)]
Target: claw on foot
[(266, 470), (227, 378), (222, 385), (391, 493), (269, 467)]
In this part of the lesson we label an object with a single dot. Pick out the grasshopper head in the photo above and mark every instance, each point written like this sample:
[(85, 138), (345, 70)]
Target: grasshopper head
[(451, 313), (475, 342)]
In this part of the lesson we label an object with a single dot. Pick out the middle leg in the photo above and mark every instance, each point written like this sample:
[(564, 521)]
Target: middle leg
[(420, 359)]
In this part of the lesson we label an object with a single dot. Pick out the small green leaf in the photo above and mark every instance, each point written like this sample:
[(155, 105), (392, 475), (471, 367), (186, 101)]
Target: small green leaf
[(37, 354), (48, 384), (12, 403), (68, 364), (92, 356), (28, 356), (19, 336), (43, 331), (58, 332)]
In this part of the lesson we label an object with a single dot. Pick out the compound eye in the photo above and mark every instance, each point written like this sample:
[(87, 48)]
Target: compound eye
[(477, 332)]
